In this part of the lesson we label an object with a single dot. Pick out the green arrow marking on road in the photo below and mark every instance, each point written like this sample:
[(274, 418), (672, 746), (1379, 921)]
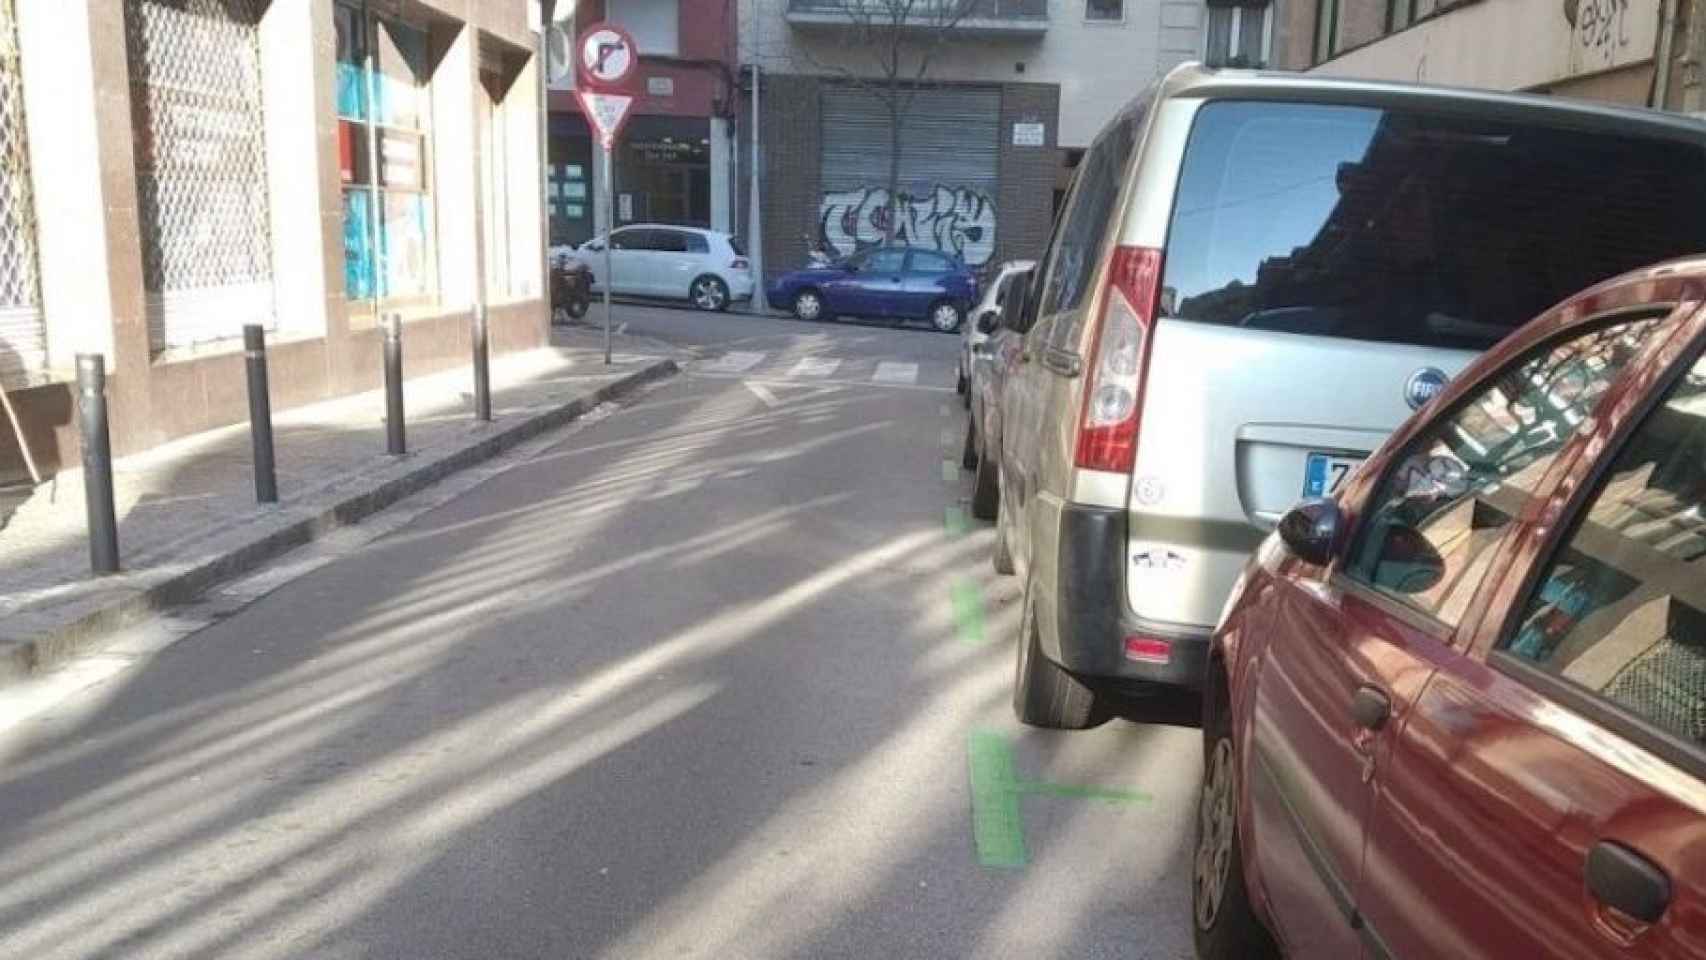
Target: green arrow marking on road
[(997, 822), (967, 597)]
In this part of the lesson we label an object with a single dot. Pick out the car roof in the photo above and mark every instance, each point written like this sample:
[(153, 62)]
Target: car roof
[(1193, 80), (674, 226)]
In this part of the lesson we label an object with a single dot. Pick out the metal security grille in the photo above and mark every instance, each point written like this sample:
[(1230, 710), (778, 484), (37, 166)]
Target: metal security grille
[(201, 177), (23, 337), (1666, 685), (949, 165)]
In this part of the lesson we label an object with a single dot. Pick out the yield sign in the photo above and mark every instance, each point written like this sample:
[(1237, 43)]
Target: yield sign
[(608, 112)]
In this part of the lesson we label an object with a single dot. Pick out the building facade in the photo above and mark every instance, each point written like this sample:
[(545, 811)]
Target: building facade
[(674, 162), (1011, 94), (176, 169), (1607, 50)]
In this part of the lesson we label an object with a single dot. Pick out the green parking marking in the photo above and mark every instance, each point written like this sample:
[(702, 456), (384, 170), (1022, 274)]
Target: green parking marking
[(997, 821), (954, 521), (950, 471), (968, 611)]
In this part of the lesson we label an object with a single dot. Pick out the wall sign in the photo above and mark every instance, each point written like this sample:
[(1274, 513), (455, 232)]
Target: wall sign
[(660, 86), (1029, 134)]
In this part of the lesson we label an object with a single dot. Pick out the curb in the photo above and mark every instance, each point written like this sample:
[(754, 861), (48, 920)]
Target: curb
[(20, 657)]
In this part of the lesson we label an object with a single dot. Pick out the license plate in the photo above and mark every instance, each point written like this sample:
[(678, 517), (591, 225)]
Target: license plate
[(1324, 473)]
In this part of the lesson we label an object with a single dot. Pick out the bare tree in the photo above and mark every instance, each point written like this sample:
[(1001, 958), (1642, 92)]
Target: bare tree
[(890, 48)]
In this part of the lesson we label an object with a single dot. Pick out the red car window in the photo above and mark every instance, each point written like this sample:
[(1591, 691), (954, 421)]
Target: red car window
[(1434, 517), (1621, 610)]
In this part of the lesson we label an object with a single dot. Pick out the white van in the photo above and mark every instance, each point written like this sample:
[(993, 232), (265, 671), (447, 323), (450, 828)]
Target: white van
[(1255, 279)]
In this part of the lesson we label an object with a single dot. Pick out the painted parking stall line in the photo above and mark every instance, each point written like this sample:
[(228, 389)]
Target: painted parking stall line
[(998, 821), (893, 371), (814, 367), (735, 361)]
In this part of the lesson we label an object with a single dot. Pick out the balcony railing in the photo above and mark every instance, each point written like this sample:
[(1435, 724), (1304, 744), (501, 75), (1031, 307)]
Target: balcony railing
[(984, 17)]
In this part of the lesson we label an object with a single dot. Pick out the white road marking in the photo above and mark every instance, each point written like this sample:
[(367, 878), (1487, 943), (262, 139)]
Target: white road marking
[(889, 371), (622, 328), (734, 362), (763, 393), (814, 367)]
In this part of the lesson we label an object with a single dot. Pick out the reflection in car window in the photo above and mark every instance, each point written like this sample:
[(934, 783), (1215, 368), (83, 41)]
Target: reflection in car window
[(888, 260), (1464, 480), (1410, 227), (629, 240), (1622, 609), (696, 243), (924, 261), (1082, 233)]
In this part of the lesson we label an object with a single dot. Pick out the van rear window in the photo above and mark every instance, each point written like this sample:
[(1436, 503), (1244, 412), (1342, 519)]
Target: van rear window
[(1410, 227)]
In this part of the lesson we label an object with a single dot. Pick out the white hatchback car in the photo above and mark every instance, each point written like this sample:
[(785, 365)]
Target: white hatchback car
[(705, 267)]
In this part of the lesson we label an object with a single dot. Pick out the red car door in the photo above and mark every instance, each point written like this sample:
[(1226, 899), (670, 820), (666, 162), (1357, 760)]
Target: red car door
[(1547, 797), (1355, 646)]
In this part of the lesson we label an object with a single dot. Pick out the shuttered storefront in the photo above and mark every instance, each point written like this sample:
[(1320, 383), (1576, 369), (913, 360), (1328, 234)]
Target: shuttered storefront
[(23, 338), (201, 175), (949, 167)]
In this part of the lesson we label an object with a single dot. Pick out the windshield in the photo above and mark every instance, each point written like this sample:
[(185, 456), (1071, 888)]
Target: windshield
[(1410, 227)]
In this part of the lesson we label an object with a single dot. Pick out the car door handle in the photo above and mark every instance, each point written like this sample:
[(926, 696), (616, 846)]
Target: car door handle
[(1370, 707), (1627, 882)]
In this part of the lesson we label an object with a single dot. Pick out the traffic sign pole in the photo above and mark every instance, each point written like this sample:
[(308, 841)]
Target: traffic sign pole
[(604, 68), (610, 218)]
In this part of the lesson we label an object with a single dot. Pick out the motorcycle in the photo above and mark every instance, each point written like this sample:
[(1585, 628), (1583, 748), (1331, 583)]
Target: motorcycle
[(817, 254), (571, 288)]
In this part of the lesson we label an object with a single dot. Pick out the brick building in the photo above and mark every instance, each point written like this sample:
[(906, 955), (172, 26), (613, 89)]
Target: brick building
[(175, 169)]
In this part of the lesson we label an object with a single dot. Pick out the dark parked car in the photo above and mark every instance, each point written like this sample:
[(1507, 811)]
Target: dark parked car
[(1459, 709), (895, 283), (998, 340)]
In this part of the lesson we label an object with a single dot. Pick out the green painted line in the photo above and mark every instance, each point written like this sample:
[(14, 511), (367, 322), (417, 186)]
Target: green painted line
[(954, 520), (968, 611), (997, 824), (950, 471), (1107, 794), (997, 820)]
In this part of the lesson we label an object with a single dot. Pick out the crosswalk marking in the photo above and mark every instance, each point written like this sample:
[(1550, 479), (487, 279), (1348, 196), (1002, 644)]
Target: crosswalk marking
[(814, 367), (889, 371), (736, 361)]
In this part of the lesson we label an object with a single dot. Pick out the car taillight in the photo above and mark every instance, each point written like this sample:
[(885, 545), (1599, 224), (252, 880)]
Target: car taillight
[(1113, 394), (1148, 649), (739, 263)]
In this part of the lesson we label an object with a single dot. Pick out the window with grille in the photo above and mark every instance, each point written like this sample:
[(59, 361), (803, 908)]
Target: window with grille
[(1237, 36), (201, 176), (385, 151), (23, 339)]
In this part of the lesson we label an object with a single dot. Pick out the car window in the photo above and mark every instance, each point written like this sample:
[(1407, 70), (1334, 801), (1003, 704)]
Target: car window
[(926, 261), (1408, 227), (738, 246), (887, 260), (1083, 231), (1432, 520), (1621, 608), (696, 243), (668, 241), (629, 239)]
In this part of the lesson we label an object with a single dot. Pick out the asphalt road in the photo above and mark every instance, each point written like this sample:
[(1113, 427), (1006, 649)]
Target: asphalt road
[(722, 674)]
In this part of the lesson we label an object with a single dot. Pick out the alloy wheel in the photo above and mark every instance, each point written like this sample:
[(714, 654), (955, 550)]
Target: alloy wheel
[(946, 317), (707, 294), (807, 306), (1215, 835)]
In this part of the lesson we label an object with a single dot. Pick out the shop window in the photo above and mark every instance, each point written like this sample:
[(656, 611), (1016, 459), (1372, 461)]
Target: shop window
[(23, 339), (385, 151), (1104, 10), (1237, 36), (201, 173)]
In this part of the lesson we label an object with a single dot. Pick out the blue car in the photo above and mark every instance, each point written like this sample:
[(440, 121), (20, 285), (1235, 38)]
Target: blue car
[(894, 283)]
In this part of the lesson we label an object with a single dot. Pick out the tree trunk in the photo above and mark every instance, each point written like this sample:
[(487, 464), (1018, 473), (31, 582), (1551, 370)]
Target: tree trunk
[(893, 216)]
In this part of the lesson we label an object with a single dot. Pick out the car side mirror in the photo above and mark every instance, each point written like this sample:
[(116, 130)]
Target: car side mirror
[(595, 247), (1310, 531), (988, 321), (1409, 562)]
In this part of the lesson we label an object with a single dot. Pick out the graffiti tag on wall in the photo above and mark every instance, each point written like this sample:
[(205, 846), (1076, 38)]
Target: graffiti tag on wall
[(960, 221), (1602, 26)]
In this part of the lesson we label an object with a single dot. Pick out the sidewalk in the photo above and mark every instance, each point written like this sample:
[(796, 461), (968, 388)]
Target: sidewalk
[(187, 512)]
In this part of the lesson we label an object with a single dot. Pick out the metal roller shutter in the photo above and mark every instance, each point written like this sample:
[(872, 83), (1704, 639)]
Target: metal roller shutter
[(23, 338), (949, 166)]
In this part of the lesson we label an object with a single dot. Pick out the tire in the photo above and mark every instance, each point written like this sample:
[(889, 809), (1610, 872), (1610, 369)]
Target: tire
[(946, 316), (986, 490), (1223, 920), (808, 305), (1044, 693), (1002, 557), (577, 305), (709, 293), (968, 456), (961, 387)]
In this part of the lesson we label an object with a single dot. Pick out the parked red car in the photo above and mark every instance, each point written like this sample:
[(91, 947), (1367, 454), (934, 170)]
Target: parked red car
[(1459, 711)]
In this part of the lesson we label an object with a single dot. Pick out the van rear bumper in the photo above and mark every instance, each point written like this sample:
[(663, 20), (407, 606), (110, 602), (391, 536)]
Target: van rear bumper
[(1091, 617)]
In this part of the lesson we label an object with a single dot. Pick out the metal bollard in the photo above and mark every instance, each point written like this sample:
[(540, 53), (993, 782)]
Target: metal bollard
[(260, 413), (394, 439), (482, 366), (97, 462)]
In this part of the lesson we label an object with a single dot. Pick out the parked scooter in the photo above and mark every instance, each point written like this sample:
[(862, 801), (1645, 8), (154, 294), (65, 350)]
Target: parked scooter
[(571, 288), (817, 254)]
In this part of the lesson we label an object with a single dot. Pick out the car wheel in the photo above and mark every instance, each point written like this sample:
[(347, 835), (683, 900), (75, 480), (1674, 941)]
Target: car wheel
[(1044, 693), (961, 387), (945, 316), (709, 293), (1002, 557), (986, 489), (808, 305), (1225, 924), (968, 456)]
